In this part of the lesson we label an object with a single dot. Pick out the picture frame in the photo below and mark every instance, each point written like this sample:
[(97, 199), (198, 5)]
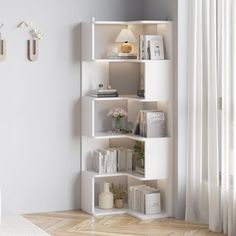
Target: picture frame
[(151, 47), (156, 49)]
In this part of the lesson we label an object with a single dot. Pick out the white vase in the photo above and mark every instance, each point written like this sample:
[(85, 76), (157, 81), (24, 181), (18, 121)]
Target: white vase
[(106, 198)]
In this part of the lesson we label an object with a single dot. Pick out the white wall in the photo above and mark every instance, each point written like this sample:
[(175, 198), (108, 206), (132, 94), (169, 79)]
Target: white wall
[(39, 102), (176, 10), (160, 9)]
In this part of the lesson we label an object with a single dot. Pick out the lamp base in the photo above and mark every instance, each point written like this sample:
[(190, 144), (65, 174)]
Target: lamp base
[(126, 47)]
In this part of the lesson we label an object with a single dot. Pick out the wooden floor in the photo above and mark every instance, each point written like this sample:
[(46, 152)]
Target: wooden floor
[(72, 223)]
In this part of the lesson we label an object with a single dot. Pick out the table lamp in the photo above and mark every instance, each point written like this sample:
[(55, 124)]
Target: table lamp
[(126, 37)]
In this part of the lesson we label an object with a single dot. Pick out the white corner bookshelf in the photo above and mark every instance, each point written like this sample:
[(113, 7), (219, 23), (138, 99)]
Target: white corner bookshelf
[(98, 37)]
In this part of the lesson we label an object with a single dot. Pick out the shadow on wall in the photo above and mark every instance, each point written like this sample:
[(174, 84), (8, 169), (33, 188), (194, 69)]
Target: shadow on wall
[(77, 191), (76, 128), (76, 52), (76, 43)]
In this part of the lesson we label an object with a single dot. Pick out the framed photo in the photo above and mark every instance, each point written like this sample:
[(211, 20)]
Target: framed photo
[(156, 49), (151, 47)]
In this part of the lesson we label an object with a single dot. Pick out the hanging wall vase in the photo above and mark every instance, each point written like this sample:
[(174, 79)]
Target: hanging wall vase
[(33, 49), (2, 49), (2, 45), (32, 43)]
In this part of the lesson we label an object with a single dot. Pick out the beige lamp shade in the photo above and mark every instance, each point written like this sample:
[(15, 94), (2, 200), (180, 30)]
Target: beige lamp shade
[(126, 37)]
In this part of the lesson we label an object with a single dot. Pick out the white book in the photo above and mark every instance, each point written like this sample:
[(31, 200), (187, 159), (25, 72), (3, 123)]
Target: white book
[(106, 160), (108, 163), (129, 160), (135, 203), (131, 196), (112, 166), (98, 161), (139, 197), (97, 91), (152, 203), (121, 159), (142, 197), (141, 47)]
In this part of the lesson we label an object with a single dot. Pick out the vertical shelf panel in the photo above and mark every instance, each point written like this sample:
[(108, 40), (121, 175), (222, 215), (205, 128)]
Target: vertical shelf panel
[(157, 158), (157, 76), (87, 192), (87, 45)]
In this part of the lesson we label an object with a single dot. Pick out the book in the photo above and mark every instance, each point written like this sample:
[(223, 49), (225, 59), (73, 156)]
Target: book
[(141, 47), (121, 159), (129, 160), (150, 124), (152, 203), (104, 95), (97, 161), (122, 55), (142, 122), (112, 161), (144, 199), (154, 124), (102, 91)]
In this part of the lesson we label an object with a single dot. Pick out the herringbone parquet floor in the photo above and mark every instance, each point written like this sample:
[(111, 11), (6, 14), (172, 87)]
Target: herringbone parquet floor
[(77, 223)]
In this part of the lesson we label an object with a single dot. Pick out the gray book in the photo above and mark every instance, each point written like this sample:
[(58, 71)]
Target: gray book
[(155, 124)]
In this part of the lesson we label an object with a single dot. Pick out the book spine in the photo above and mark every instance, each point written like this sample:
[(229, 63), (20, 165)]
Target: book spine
[(129, 157)]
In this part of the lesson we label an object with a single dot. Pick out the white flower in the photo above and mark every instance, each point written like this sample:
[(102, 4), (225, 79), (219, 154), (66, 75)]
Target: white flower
[(117, 113), (34, 32)]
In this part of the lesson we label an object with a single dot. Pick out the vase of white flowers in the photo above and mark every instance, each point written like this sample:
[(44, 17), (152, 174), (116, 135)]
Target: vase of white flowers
[(117, 115)]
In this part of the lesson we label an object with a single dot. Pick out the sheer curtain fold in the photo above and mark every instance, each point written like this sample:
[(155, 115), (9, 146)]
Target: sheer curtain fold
[(211, 148)]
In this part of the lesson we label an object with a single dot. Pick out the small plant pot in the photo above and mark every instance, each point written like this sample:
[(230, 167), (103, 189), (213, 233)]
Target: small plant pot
[(119, 203)]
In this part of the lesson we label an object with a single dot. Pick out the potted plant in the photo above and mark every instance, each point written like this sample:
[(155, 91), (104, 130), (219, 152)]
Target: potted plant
[(119, 194), (117, 115), (140, 155)]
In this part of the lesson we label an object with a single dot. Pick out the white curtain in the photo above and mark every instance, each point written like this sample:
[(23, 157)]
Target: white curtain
[(211, 184)]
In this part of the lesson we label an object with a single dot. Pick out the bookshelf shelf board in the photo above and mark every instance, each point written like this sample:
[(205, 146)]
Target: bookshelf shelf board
[(113, 211), (141, 216), (129, 60), (108, 98), (97, 175), (147, 217), (132, 175), (144, 22), (108, 135), (123, 97)]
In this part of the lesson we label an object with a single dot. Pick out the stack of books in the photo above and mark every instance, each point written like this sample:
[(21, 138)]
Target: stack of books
[(122, 55), (112, 160), (150, 124), (144, 199), (103, 93)]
